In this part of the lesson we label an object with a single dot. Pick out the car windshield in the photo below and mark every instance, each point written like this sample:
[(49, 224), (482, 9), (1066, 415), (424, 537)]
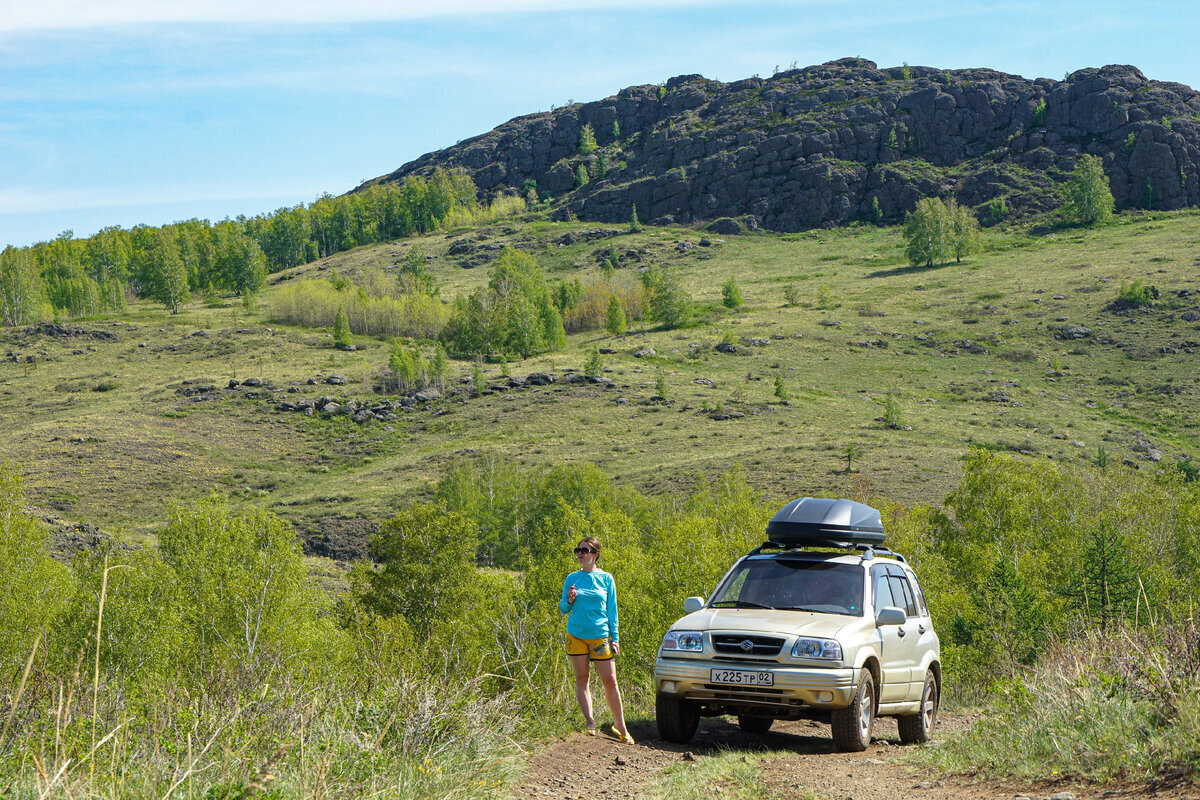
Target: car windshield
[(794, 585)]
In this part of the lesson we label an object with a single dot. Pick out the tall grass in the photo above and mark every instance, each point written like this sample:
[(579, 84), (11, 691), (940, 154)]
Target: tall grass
[(1097, 706), (591, 312)]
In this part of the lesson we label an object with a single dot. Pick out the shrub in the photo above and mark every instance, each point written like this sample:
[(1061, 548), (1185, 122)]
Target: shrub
[(615, 323), (669, 303), (791, 294), (1087, 198), (341, 329), (381, 311), (587, 139), (1135, 295)]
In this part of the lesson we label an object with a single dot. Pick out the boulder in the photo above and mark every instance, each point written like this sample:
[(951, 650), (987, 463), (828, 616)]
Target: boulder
[(541, 379), (336, 380)]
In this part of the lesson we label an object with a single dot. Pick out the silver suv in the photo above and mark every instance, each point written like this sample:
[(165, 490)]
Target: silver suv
[(820, 622)]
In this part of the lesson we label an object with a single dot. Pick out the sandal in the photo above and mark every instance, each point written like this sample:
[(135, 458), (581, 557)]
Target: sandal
[(623, 738), (590, 731)]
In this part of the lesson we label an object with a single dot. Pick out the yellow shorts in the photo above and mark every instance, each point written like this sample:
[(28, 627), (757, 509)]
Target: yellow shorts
[(595, 649)]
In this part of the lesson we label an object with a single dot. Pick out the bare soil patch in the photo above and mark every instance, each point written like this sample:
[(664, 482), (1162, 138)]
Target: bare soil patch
[(582, 767)]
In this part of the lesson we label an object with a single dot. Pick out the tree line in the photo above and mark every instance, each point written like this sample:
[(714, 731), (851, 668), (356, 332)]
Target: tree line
[(72, 278)]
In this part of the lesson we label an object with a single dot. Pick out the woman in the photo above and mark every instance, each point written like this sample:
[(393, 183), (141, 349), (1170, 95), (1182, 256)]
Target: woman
[(589, 599)]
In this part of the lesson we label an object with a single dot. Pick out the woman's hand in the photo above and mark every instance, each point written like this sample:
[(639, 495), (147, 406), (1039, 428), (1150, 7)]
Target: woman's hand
[(616, 648), (571, 594)]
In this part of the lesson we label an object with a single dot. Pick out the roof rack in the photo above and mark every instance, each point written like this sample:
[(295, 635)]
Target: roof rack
[(868, 550)]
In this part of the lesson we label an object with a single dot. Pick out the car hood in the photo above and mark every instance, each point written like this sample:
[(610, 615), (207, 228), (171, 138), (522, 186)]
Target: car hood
[(753, 620)]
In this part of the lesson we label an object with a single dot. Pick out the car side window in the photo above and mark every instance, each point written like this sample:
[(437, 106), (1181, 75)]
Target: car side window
[(901, 589), (881, 590), (916, 587)]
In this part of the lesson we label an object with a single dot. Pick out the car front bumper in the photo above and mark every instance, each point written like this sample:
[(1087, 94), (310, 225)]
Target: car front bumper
[(794, 688)]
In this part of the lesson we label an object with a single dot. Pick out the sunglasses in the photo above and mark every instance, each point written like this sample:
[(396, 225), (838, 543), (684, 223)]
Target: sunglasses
[(583, 550)]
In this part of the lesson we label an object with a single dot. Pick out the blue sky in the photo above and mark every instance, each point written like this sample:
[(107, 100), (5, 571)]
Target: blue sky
[(115, 112)]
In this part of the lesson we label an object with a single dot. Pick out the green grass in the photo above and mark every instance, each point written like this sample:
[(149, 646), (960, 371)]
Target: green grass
[(731, 774), (144, 446)]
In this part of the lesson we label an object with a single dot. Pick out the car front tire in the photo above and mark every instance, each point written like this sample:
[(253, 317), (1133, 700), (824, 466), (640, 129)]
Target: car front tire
[(852, 726), (677, 719), (918, 728)]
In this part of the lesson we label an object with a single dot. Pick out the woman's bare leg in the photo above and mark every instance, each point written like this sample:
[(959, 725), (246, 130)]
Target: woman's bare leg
[(607, 670), (583, 692)]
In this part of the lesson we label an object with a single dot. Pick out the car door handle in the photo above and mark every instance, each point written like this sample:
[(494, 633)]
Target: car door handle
[(900, 632), (920, 629)]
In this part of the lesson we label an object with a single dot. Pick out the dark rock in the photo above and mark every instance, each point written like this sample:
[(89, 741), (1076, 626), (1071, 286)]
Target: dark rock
[(336, 380), (1073, 331), (363, 416), (202, 333), (724, 415), (541, 379), (645, 352), (339, 538), (427, 395), (233, 384), (1191, 315), (727, 347), (516, 382), (332, 409), (252, 382), (606, 351)]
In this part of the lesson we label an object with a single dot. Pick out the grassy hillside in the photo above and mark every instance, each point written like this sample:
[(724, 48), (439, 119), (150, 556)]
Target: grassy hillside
[(970, 352)]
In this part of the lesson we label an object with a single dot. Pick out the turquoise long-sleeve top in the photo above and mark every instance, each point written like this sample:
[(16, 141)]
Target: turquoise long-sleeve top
[(593, 615)]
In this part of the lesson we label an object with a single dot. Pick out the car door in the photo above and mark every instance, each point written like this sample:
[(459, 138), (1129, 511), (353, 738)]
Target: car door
[(895, 653), (904, 639), (927, 640)]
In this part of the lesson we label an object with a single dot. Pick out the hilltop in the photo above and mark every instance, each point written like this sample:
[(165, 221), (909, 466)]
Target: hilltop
[(839, 142)]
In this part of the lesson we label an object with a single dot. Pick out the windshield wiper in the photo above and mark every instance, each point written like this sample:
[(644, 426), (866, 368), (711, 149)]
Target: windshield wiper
[(740, 604), (796, 608)]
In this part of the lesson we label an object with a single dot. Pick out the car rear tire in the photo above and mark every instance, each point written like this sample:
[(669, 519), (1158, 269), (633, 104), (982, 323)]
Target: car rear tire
[(918, 728), (677, 719), (755, 725), (852, 726)]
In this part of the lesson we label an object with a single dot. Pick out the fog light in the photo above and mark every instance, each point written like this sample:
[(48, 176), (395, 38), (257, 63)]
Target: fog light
[(668, 687), (824, 697)]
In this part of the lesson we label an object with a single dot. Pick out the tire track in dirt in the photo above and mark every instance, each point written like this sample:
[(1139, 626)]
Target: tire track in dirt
[(588, 768)]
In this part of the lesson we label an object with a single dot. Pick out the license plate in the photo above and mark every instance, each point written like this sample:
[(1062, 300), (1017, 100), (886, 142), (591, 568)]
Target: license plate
[(739, 677)]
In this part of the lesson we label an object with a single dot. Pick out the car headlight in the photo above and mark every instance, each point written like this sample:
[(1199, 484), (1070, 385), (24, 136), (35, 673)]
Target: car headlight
[(823, 649), (692, 641)]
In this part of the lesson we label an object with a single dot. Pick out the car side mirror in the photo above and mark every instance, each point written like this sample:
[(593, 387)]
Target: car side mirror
[(890, 615), (693, 604)]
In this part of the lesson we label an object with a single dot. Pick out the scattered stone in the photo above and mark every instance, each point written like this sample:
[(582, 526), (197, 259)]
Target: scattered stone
[(1073, 331), (1059, 297), (727, 347), (363, 416), (332, 408), (829, 323), (756, 341), (620, 762), (724, 415), (233, 384), (201, 333), (687, 756), (252, 382), (606, 351), (336, 380), (542, 378), (1191, 316), (704, 382), (427, 395), (645, 352)]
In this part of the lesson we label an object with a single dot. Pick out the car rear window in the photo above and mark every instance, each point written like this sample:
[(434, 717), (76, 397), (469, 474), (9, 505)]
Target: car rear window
[(795, 585)]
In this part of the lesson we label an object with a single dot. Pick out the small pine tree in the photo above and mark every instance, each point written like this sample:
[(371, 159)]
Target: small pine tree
[(905, 72), (616, 316), (635, 225), (781, 391), (1039, 113), (341, 329), (791, 294), (616, 130), (876, 211), (850, 452), (892, 141), (731, 294), (587, 140), (593, 364), (581, 176), (660, 386), (477, 380)]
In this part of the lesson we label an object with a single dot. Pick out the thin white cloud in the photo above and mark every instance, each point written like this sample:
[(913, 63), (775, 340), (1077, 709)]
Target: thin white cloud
[(30, 15)]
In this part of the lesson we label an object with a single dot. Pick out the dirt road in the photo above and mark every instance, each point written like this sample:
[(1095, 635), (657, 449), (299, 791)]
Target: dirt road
[(587, 768)]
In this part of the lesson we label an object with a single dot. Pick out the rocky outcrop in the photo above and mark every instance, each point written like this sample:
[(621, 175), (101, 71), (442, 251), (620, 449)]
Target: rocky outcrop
[(844, 141)]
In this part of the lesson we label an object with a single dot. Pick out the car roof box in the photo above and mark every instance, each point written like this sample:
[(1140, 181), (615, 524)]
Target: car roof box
[(814, 521)]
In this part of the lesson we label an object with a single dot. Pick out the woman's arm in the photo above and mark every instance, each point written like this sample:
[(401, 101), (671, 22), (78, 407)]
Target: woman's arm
[(564, 605), (613, 632)]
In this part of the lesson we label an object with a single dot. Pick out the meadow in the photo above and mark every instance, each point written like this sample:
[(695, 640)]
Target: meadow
[(193, 648)]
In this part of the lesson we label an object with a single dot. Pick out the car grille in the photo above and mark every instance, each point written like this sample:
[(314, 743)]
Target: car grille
[(735, 644)]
